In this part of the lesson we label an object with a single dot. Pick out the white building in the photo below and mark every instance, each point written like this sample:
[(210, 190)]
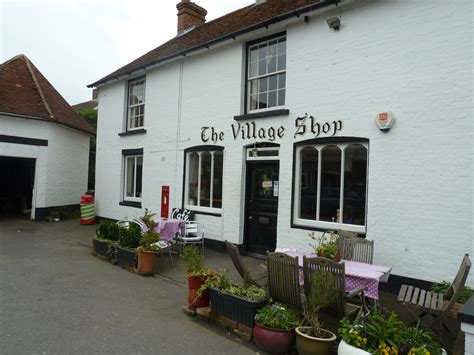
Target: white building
[(263, 123), (44, 144)]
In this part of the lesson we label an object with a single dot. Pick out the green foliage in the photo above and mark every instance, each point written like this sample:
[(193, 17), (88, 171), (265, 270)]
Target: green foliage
[(221, 282), (114, 232), (147, 240), (323, 292), (194, 261), (386, 334), (443, 286), (147, 218), (277, 316), (90, 116), (130, 237), (326, 244), (103, 231)]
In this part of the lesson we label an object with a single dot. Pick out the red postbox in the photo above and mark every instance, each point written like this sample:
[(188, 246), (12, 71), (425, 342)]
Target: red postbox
[(87, 209), (165, 199)]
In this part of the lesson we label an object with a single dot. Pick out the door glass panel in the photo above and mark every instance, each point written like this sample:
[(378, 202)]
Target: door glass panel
[(330, 183), (355, 180), (264, 183), (308, 183)]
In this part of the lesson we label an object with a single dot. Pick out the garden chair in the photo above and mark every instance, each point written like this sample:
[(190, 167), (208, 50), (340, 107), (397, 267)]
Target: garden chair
[(357, 249), (431, 309), (191, 233), (283, 279), (346, 305), (256, 279)]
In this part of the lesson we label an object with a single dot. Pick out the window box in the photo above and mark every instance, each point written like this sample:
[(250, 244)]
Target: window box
[(126, 257)]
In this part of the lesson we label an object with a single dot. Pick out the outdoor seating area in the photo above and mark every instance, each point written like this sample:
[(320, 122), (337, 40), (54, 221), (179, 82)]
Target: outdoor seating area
[(328, 294)]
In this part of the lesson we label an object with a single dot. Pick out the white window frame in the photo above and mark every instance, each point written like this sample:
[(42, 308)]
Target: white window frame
[(297, 221), (129, 107), (249, 79), (197, 207), (125, 197)]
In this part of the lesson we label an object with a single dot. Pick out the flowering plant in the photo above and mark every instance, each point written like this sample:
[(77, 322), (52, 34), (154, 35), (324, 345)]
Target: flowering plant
[(326, 244), (277, 316), (386, 335)]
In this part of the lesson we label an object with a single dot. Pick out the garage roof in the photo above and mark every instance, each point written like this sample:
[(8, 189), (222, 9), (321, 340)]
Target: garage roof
[(24, 91)]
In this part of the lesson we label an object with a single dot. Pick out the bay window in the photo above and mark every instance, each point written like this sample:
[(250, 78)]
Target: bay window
[(204, 174), (331, 185)]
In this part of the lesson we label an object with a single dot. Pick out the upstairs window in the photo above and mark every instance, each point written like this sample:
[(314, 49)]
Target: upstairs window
[(136, 104), (331, 186), (266, 77), (204, 174)]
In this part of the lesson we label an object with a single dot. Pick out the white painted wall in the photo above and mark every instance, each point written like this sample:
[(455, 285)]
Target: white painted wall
[(411, 58), (61, 167)]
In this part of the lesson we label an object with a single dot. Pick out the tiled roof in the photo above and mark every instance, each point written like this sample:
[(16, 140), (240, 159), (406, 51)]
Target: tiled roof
[(243, 20), (25, 91), (85, 105)]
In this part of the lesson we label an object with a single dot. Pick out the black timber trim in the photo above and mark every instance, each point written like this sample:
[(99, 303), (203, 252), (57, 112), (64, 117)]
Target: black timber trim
[(131, 204), (133, 132), (323, 140), (215, 214), (466, 313), (23, 140), (41, 213), (263, 114), (396, 281), (138, 151), (197, 148)]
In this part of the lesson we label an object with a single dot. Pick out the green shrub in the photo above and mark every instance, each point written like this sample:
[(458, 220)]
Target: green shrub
[(148, 240), (114, 232), (443, 286), (130, 237), (194, 260), (103, 231)]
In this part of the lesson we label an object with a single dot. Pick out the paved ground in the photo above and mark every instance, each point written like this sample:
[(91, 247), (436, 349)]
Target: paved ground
[(55, 298)]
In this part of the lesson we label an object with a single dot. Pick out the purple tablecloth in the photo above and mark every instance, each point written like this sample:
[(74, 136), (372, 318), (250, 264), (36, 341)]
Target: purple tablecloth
[(357, 274), (168, 228)]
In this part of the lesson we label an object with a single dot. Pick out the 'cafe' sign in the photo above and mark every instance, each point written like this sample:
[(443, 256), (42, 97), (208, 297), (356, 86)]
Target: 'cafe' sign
[(249, 130)]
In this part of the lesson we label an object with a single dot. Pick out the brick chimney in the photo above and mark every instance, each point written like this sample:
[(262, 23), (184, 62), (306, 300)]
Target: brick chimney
[(189, 15)]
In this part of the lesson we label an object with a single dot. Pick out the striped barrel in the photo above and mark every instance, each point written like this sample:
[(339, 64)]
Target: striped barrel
[(88, 213)]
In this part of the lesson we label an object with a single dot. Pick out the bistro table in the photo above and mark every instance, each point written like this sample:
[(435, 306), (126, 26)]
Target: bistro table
[(168, 228), (357, 274)]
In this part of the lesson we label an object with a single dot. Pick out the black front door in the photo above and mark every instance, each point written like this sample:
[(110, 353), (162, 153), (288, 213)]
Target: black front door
[(261, 194)]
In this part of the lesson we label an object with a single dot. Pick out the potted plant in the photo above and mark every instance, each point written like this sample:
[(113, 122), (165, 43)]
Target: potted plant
[(385, 334), (147, 252), (274, 330), (313, 338), (327, 245), (237, 303), (100, 244), (129, 240), (442, 287), (197, 275)]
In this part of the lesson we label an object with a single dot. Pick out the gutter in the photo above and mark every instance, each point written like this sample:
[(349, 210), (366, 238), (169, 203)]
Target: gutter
[(295, 13)]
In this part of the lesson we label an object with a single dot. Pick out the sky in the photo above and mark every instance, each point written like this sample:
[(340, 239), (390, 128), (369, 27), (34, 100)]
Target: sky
[(76, 42)]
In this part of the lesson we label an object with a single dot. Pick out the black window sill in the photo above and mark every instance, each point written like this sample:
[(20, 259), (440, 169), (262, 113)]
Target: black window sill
[(272, 113), (131, 204), (135, 131)]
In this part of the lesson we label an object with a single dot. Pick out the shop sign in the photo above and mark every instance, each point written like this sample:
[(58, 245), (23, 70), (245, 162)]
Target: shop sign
[(306, 124)]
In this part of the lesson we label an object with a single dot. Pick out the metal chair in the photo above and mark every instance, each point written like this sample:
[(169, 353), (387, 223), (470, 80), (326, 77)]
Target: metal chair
[(283, 279), (357, 249), (256, 279), (423, 304), (191, 233), (345, 304)]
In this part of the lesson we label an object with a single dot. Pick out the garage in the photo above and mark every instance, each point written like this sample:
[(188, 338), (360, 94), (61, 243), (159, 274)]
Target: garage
[(17, 176)]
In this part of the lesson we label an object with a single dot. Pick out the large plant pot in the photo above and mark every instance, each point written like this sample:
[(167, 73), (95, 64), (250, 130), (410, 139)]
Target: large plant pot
[(146, 262), (346, 349), (235, 308), (274, 341), (101, 247), (194, 284), (126, 257), (308, 345)]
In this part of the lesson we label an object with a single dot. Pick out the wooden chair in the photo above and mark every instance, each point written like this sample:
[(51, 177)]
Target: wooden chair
[(283, 279), (345, 304), (430, 308), (357, 249), (257, 279)]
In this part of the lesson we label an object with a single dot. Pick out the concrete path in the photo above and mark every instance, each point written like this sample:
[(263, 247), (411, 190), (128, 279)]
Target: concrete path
[(55, 298)]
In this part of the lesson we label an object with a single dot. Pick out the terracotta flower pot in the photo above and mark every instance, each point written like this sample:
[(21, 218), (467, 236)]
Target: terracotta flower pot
[(146, 262), (308, 345), (336, 258), (274, 341), (194, 284)]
